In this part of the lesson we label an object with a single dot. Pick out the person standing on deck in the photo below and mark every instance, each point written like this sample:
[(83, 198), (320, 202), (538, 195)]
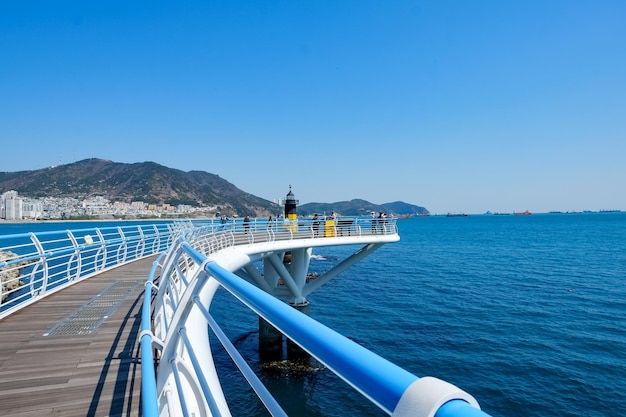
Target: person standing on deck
[(381, 221), (316, 225)]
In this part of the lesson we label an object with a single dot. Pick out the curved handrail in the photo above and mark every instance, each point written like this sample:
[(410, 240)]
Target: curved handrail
[(37, 264), (148, 384), (375, 377), (189, 276)]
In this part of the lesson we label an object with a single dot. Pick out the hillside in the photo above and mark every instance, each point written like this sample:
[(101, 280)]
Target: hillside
[(146, 181), (358, 207), (150, 182)]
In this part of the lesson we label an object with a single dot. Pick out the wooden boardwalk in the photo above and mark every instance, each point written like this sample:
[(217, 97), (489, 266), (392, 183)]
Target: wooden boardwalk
[(48, 367)]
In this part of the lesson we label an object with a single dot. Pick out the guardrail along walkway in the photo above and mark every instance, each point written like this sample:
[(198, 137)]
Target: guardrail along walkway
[(76, 352)]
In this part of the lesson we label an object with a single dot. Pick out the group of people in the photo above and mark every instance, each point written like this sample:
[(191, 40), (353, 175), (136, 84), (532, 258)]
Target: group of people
[(378, 221), (316, 221)]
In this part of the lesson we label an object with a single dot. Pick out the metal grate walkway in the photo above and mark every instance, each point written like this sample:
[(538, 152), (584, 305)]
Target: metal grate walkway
[(87, 318)]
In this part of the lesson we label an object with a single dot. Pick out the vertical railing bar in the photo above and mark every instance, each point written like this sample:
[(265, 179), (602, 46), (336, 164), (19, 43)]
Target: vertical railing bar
[(76, 254), (204, 385), (262, 392), (179, 387), (44, 267)]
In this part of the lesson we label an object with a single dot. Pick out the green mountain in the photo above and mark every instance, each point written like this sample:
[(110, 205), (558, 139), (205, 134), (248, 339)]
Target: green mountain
[(146, 181), (358, 207), (152, 183)]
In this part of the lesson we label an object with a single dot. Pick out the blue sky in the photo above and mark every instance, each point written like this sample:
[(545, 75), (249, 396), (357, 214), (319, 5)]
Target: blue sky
[(460, 106)]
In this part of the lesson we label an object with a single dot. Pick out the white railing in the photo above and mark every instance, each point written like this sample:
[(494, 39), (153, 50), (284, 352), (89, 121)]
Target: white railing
[(174, 329), (34, 265)]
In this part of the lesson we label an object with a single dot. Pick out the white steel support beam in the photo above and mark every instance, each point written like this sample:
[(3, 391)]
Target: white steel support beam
[(296, 292), (270, 274), (256, 276), (342, 266), (299, 267)]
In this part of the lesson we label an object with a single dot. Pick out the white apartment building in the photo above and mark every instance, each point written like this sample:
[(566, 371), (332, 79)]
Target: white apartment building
[(32, 208), (10, 206)]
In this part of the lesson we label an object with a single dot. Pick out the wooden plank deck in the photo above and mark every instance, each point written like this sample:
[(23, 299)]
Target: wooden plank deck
[(69, 375)]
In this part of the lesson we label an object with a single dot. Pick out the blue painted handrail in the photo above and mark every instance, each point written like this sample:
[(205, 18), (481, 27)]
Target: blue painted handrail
[(458, 408), (382, 382), (375, 377), (148, 382), (385, 384)]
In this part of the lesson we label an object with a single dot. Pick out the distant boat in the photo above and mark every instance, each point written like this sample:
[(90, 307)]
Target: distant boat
[(402, 216), (522, 213), (456, 215)]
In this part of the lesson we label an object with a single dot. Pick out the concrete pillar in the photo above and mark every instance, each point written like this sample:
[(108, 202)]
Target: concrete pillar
[(295, 352), (270, 342)]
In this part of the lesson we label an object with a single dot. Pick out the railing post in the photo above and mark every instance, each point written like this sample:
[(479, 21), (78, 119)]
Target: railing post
[(123, 248), (76, 255), (102, 251), (141, 244), (156, 241), (43, 261)]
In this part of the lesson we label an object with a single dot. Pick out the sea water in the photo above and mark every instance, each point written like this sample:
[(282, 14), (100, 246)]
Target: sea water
[(525, 313)]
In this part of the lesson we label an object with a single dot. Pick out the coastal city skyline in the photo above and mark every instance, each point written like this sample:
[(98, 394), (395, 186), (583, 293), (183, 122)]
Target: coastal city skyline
[(454, 106), (17, 208)]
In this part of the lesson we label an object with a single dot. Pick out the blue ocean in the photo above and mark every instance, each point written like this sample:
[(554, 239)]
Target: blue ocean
[(526, 313)]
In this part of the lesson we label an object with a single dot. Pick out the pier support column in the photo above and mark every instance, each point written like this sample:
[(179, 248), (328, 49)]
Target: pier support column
[(294, 351), (270, 342)]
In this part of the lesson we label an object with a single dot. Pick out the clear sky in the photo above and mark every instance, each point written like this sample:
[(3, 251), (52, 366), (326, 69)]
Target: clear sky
[(457, 106)]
